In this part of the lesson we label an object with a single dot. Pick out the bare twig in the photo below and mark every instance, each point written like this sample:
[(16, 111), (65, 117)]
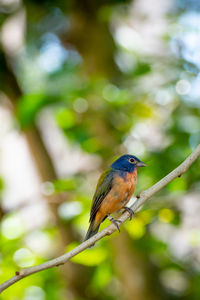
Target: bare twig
[(144, 196)]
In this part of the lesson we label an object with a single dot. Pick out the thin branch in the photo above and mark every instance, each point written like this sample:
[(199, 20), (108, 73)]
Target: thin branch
[(144, 196)]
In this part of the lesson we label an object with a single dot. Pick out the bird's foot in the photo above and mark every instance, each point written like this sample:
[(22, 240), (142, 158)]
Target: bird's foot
[(115, 222), (130, 211)]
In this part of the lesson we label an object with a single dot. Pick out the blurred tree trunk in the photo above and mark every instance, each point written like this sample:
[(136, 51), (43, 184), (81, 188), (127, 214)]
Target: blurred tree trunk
[(135, 271), (2, 213), (92, 38), (74, 274)]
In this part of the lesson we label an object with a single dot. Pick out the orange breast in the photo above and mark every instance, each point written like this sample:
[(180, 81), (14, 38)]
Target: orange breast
[(120, 194)]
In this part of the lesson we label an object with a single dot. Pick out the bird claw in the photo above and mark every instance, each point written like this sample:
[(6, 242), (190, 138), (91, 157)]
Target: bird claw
[(130, 211), (115, 222)]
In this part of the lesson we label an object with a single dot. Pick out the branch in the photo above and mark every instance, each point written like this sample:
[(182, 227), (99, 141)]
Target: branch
[(144, 196)]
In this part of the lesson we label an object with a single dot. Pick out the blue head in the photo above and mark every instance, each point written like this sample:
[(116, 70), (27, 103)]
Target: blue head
[(127, 163)]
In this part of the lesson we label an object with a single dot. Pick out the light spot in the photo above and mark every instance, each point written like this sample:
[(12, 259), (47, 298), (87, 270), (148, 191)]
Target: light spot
[(183, 87), (47, 188), (12, 227), (110, 92), (68, 210), (163, 97), (24, 258), (195, 238), (132, 143), (80, 105), (128, 38), (39, 242), (175, 281), (52, 55), (34, 293)]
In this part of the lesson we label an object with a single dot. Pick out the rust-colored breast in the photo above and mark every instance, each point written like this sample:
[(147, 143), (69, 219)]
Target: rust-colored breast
[(120, 194)]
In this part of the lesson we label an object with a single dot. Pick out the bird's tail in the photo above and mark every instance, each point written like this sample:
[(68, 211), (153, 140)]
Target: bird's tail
[(91, 231)]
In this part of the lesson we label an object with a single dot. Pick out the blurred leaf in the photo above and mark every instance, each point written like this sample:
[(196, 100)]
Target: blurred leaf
[(91, 145), (89, 257), (65, 118), (142, 68), (178, 184), (166, 215), (61, 185), (30, 105), (102, 276), (2, 185), (135, 228)]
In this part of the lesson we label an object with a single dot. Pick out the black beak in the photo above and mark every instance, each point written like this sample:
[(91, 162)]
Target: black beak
[(140, 164)]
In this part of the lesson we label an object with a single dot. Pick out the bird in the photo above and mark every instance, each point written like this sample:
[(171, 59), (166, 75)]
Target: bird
[(113, 191)]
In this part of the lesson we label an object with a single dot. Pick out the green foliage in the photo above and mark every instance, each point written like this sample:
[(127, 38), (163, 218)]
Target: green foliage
[(104, 101), (62, 185), (90, 257), (1, 184), (29, 107)]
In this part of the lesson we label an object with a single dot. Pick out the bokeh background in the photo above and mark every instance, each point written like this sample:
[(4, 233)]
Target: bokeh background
[(82, 82)]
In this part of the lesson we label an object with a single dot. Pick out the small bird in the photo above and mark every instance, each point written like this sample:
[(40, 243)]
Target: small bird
[(114, 190)]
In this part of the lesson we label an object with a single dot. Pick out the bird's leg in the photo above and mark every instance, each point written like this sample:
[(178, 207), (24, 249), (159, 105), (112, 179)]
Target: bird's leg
[(129, 210), (115, 222)]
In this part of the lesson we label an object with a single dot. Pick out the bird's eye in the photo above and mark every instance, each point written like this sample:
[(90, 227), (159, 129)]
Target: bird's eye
[(131, 160)]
